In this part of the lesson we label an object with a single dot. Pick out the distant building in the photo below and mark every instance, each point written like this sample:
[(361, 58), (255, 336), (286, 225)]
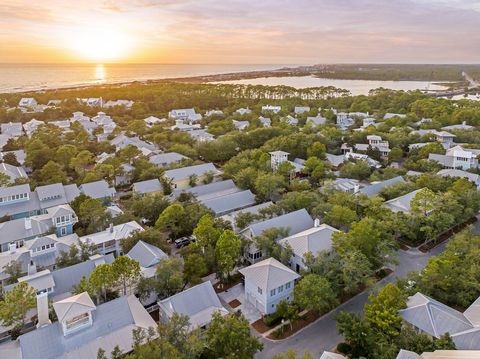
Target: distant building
[(270, 108), (27, 102), (187, 114)]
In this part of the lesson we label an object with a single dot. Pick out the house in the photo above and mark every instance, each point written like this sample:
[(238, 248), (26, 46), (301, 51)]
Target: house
[(82, 328), (149, 186), (187, 114), (279, 157), (463, 126), (147, 255), (64, 125), (388, 115), (20, 156), (121, 141), (472, 177), (60, 283), (166, 159), (435, 319), (12, 129), (27, 102), (347, 185), (98, 190), (301, 109), (344, 121), (18, 201), (335, 160), (109, 240), (180, 125), (13, 172), (457, 157), (198, 303), (241, 125), (123, 103), (43, 251), (293, 222), (225, 204), (265, 121), (290, 120), (375, 142), (201, 136), (152, 120), (102, 119), (267, 283), (91, 102), (376, 187), (313, 240), (181, 177), (4, 140), (402, 203), (214, 113), (254, 210), (210, 190), (244, 111), (59, 220), (316, 121), (53, 103), (270, 108), (31, 126), (444, 137), (350, 155)]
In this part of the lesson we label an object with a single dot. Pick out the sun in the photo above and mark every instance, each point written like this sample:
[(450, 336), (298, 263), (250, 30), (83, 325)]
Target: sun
[(100, 44)]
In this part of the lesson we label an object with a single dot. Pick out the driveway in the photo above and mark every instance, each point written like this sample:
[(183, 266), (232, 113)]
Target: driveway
[(248, 310), (322, 335)]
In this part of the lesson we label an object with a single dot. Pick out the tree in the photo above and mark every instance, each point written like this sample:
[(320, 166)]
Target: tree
[(206, 233), (229, 337), (357, 334), (194, 268), (149, 206), (5, 179), (51, 173), (64, 155), (269, 186), (291, 354), (77, 253), (92, 215), (340, 216), (356, 271), (125, 272), (14, 271), (15, 305), (381, 311), (359, 170), (228, 251), (81, 161), (150, 235), (11, 159), (313, 292), (171, 220), (192, 180), (169, 277), (243, 219)]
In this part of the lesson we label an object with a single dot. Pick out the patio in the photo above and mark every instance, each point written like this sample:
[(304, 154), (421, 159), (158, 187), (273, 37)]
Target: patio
[(248, 310)]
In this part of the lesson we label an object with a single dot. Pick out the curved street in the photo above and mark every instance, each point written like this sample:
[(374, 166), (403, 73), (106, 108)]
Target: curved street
[(322, 334)]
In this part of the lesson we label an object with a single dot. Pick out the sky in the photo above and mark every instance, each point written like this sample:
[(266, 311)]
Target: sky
[(240, 32)]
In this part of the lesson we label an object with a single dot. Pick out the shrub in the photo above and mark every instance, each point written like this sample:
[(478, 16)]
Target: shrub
[(344, 348)]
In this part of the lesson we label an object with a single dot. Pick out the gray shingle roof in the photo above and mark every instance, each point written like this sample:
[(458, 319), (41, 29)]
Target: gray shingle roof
[(230, 202), (375, 188), (183, 173), (296, 221), (433, 317), (312, 240), (210, 190), (164, 159), (98, 189), (113, 323), (269, 274), (146, 254), (402, 203), (198, 303), (148, 186)]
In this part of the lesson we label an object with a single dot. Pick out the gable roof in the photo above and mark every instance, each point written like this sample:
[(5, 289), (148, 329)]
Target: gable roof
[(375, 188), (164, 159), (198, 303), (402, 203), (146, 254), (148, 186), (296, 221), (314, 240), (183, 173), (269, 274), (73, 306), (229, 202), (211, 190), (433, 317), (97, 189)]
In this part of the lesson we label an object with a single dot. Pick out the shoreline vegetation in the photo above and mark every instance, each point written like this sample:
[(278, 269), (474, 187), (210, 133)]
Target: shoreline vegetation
[(450, 76)]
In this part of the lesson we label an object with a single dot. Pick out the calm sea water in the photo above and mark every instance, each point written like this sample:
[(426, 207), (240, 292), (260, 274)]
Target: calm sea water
[(25, 77), (356, 87)]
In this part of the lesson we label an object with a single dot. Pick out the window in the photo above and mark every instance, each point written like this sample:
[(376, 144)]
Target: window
[(259, 290), (287, 286), (280, 289), (272, 292), (63, 231), (77, 320)]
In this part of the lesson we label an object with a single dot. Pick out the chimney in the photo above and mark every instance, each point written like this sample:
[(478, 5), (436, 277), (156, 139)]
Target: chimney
[(31, 268), (28, 223), (111, 228), (42, 310), (12, 247), (316, 222)]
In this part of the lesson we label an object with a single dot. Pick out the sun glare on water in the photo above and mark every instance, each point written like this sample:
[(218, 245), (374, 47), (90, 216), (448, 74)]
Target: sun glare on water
[(100, 44)]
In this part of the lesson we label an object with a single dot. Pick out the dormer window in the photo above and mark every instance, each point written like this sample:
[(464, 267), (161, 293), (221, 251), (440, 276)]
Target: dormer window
[(77, 321)]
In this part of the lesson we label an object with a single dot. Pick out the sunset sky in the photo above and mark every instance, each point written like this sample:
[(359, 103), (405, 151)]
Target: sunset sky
[(236, 32)]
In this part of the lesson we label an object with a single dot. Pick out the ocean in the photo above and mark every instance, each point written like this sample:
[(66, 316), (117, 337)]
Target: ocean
[(30, 77)]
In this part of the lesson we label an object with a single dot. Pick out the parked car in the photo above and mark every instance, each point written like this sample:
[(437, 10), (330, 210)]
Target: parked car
[(180, 242)]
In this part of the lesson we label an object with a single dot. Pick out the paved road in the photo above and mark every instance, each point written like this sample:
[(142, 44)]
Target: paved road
[(322, 335)]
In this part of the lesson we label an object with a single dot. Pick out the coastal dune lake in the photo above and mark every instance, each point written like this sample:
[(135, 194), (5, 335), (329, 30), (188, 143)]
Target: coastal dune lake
[(356, 87)]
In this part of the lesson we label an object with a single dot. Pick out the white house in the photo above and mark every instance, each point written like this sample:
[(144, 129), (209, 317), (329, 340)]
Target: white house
[(31, 126), (270, 108), (267, 283), (152, 120), (244, 111), (265, 121), (301, 109), (344, 121), (12, 129), (375, 142), (457, 157), (124, 103), (241, 125), (186, 114), (313, 240), (91, 102), (27, 102)]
